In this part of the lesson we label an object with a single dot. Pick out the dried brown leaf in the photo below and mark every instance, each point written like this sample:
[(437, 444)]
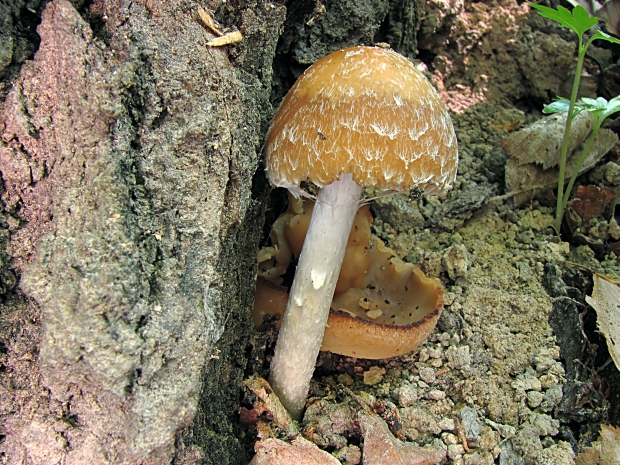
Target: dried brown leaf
[(591, 201), (249, 417), (605, 451), (540, 142), (610, 15), (382, 448), (606, 301), (529, 179)]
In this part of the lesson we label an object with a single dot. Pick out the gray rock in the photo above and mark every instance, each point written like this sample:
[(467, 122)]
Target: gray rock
[(471, 423)]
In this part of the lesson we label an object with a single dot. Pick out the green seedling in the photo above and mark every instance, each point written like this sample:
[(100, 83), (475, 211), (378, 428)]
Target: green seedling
[(579, 21), (600, 109)]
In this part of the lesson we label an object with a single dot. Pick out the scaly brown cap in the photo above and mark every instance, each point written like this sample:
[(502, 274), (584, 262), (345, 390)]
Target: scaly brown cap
[(366, 111)]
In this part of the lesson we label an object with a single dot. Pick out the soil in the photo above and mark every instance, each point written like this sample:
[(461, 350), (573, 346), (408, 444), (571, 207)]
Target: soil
[(132, 206)]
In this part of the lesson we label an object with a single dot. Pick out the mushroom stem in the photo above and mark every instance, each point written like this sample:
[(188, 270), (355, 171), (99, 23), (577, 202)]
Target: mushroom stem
[(312, 291)]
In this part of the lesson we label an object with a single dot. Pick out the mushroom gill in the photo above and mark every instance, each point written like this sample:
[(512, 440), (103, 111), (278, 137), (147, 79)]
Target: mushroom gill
[(383, 307)]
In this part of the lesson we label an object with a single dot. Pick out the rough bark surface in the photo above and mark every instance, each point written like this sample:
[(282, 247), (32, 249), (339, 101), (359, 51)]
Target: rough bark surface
[(18, 37), (128, 157), (314, 29)]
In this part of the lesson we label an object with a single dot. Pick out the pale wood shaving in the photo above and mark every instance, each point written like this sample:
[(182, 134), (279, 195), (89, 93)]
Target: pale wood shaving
[(209, 21), (268, 401), (226, 39)]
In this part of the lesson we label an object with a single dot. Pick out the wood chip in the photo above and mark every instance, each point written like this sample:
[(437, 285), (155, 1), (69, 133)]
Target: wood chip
[(301, 452), (209, 21), (382, 448), (226, 39), (462, 436)]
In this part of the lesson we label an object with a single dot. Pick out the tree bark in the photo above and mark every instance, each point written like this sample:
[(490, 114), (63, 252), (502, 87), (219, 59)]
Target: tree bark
[(132, 213)]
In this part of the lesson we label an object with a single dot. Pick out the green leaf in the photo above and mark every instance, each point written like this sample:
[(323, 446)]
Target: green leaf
[(557, 106), (579, 20), (582, 19), (613, 106), (602, 102), (589, 101), (604, 36), (600, 107), (594, 104)]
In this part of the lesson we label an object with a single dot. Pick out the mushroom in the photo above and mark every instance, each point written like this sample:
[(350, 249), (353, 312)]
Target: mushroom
[(383, 307), (363, 116)]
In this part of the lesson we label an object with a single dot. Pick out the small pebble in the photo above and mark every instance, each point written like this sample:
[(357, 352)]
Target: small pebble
[(458, 357), (427, 374), (543, 363), (444, 338), (435, 362), (448, 298), (534, 398), (552, 397), (558, 454), (471, 423), (557, 369), (455, 451), (456, 261), (420, 419), (446, 424), (506, 431), (489, 438), (449, 439), (546, 425), (478, 459), (373, 376), (436, 395), (406, 395), (435, 352), (527, 384), (546, 381)]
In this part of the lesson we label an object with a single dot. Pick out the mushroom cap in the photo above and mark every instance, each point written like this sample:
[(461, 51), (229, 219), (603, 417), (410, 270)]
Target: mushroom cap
[(367, 111)]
